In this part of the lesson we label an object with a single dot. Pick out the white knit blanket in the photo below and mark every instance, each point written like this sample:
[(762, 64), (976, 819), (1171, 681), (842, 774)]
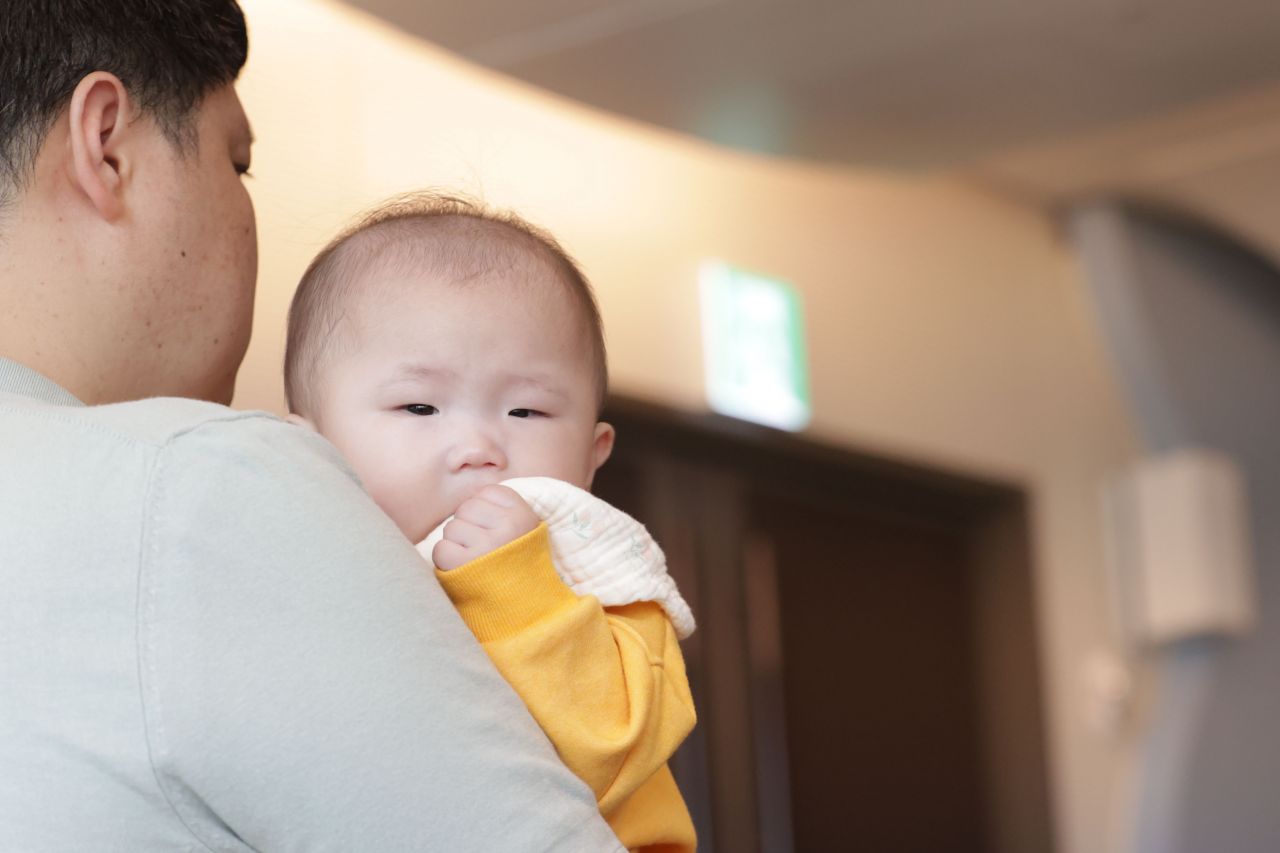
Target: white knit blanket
[(597, 549)]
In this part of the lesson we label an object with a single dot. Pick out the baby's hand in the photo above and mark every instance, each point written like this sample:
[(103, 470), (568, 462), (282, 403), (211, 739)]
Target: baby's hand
[(491, 518)]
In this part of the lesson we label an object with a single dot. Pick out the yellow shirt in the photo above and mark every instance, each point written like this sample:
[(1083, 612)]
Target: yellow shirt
[(608, 686)]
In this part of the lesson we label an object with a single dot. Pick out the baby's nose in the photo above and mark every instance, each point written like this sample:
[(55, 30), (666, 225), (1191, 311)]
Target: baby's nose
[(477, 449)]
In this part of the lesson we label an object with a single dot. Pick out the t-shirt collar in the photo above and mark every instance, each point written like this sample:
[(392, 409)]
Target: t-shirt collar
[(19, 379)]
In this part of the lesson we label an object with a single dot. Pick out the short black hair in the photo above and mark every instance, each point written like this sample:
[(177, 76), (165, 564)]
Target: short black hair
[(168, 54), (455, 235)]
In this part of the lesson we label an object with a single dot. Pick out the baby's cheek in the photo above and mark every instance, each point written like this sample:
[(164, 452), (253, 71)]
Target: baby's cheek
[(398, 504), (414, 526)]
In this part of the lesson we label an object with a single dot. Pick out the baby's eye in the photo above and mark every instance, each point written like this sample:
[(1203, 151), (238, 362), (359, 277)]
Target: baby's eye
[(421, 409), (526, 413)]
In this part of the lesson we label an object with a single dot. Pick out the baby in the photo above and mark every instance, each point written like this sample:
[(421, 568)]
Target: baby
[(443, 349)]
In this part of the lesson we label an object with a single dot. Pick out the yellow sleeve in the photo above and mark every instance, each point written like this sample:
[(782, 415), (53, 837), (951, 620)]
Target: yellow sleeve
[(607, 686)]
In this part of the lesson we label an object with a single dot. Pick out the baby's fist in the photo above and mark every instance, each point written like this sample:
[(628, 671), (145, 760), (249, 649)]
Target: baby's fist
[(486, 521)]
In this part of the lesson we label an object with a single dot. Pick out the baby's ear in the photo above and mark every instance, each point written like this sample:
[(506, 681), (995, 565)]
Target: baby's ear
[(299, 420), (602, 445)]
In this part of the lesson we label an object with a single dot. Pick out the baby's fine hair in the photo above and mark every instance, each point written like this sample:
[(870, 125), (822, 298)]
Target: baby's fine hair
[(448, 235)]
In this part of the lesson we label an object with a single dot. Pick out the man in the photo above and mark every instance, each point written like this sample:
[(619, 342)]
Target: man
[(210, 638)]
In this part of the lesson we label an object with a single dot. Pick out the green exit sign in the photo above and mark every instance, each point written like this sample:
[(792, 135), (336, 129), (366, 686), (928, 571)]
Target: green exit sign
[(754, 348)]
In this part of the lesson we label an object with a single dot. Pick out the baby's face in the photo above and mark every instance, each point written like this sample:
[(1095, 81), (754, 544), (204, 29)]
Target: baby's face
[(445, 388)]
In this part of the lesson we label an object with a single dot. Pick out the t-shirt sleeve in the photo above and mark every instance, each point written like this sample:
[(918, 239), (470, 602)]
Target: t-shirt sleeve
[(306, 684), (608, 686)]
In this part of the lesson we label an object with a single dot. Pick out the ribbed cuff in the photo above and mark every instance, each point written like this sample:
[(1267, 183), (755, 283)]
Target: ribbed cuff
[(507, 590)]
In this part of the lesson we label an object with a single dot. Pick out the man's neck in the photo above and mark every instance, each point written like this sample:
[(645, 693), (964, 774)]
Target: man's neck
[(44, 322)]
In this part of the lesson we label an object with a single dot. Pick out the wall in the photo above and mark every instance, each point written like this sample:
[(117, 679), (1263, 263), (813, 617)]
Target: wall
[(1195, 321), (946, 326)]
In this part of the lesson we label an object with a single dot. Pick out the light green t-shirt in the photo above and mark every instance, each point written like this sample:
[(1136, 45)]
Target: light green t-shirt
[(211, 639)]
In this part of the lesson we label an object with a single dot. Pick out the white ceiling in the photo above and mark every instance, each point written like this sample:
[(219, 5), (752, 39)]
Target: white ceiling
[(884, 83)]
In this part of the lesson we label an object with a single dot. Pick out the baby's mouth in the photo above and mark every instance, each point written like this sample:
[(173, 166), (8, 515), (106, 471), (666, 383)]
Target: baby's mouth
[(473, 488)]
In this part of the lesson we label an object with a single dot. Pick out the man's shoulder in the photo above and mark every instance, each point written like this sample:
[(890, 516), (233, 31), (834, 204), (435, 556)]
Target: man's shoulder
[(159, 420), (186, 430), (254, 473)]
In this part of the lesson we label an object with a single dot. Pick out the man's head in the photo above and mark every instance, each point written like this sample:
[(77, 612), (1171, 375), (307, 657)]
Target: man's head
[(127, 242), (168, 55), (442, 347)]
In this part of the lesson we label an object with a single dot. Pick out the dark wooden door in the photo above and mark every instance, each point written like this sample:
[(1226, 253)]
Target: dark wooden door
[(865, 667), (878, 679)]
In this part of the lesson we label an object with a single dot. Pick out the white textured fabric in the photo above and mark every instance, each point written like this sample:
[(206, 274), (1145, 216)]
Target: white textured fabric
[(597, 549)]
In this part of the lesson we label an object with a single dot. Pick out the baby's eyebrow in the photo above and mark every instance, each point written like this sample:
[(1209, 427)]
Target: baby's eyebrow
[(413, 371), (541, 383)]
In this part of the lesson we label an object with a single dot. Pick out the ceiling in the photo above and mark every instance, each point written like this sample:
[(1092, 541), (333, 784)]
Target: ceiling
[(882, 83)]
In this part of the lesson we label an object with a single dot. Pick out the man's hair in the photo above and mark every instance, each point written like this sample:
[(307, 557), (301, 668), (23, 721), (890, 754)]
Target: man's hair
[(168, 54), (449, 236)]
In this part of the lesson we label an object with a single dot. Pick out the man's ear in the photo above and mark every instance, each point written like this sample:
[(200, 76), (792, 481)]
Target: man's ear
[(98, 118), (299, 420), (601, 446)]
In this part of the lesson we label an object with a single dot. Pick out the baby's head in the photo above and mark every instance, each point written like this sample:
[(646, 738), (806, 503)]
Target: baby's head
[(442, 347)]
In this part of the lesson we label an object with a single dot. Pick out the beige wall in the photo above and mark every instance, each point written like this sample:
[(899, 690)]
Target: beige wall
[(946, 325)]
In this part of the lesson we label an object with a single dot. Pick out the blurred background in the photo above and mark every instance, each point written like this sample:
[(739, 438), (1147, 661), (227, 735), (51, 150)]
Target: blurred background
[(1007, 580)]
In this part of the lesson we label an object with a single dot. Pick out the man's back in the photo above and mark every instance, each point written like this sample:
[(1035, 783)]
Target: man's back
[(210, 639)]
